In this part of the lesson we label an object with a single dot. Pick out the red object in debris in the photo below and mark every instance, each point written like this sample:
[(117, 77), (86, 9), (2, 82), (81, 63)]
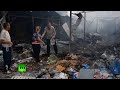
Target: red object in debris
[(36, 43)]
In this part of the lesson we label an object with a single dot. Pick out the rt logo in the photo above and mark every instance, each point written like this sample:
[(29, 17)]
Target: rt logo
[(21, 67)]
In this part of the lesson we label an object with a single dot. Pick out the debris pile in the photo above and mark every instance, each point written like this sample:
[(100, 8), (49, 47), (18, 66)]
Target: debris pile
[(52, 59), (23, 77), (101, 74), (93, 62), (63, 69), (22, 51)]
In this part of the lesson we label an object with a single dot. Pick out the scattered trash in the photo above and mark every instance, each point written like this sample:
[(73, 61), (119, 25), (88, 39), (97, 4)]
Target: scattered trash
[(70, 69), (25, 54), (111, 58), (52, 41), (114, 70), (23, 77), (71, 57), (41, 74), (70, 66), (46, 76), (99, 64), (60, 76), (15, 65), (86, 74), (63, 76), (86, 66), (75, 75), (25, 60), (52, 59), (104, 55), (59, 68), (102, 73)]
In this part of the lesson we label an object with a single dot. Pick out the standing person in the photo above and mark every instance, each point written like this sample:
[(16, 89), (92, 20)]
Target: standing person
[(50, 37), (36, 43), (6, 47)]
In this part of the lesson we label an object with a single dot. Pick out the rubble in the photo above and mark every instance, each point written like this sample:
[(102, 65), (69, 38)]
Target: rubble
[(60, 76), (115, 66), (99, 64), (52, 59), (77, 67), (104, 55), (14, 67), (73, 57), (25, 54), (22, 51), (93, 62), (86, 74), (25, 60), (59, 68), (86, 66), (23, 77), (101, 74)]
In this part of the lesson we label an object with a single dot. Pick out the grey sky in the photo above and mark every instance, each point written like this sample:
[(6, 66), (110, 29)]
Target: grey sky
[(93, 14)]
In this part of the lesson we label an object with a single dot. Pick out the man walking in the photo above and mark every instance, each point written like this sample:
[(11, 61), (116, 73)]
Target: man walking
[(50, 37)]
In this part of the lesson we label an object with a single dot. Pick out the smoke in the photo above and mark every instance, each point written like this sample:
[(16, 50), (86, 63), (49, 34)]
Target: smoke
[(106, 23), (62, 13)]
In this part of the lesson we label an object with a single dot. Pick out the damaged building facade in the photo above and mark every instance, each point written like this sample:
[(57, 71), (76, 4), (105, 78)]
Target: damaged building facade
[(88, 44)]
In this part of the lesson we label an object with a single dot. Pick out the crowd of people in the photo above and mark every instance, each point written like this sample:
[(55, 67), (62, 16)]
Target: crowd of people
[(37, 41)]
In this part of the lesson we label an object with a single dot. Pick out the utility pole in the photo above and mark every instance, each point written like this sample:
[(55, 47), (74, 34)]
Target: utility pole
[(32, 22), (84, 24), (70, 31), (97, 25)]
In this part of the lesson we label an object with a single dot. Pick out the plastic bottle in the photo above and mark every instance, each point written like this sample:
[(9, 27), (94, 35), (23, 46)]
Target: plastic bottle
[(52, 41)]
